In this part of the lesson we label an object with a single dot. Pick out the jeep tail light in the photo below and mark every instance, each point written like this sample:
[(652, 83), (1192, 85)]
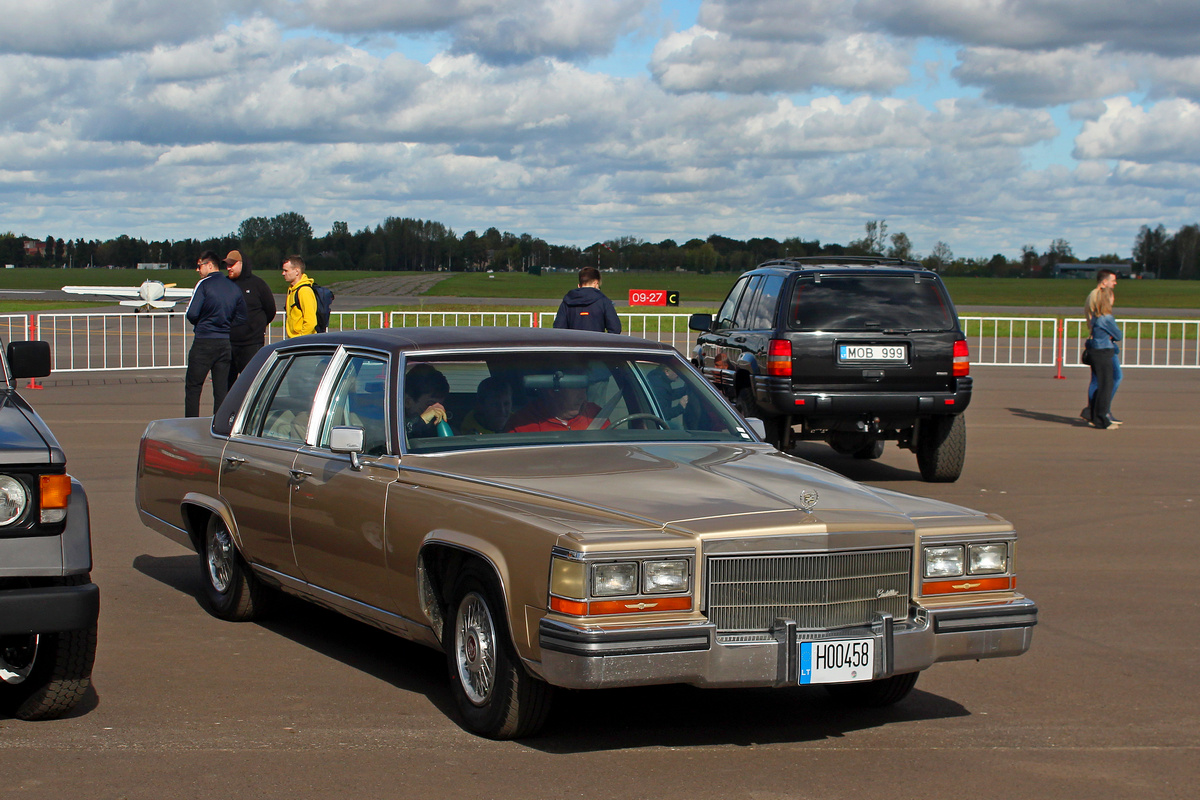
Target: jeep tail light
[(779, 358), (962, 358)]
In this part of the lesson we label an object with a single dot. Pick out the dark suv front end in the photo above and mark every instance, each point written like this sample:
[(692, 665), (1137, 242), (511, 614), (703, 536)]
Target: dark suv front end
[(854, 352), (48, 604)]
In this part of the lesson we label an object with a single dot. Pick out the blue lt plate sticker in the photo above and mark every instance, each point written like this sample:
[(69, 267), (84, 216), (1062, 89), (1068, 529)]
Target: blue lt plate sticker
[(837, 661)]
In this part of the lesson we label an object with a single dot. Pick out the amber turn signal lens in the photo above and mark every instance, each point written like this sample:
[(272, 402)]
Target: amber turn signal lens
[(967, 585), (54, 490), (632, 606)]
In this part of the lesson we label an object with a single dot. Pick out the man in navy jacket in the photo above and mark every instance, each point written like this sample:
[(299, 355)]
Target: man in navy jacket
[(216, 306), (586, 308)]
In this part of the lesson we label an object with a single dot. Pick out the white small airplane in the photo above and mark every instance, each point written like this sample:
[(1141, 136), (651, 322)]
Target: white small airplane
[(150, 296)]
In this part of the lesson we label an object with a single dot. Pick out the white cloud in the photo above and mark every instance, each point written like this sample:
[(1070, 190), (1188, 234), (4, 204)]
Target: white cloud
[(1043, 79), (498, 31), (1163, 27), (1166, 132), (90, 28), (154, 119), (703, 60)]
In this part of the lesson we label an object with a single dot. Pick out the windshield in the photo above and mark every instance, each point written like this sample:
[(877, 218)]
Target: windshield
[(539, 398), (869, 303)]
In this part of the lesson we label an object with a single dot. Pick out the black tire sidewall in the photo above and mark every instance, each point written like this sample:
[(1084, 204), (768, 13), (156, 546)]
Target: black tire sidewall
[(488, 719)]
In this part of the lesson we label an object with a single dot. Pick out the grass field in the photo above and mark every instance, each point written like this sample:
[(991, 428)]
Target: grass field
[(696, 291)]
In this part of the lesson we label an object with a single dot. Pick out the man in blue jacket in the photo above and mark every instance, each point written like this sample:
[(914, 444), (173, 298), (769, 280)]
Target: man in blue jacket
[(216, 306), (586, 308)]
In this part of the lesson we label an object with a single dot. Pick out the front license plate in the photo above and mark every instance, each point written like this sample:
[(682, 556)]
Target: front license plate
[(837, 661), (855, 353)]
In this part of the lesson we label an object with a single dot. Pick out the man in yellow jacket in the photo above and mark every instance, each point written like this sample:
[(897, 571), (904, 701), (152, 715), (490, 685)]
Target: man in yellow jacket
[(301, 317)]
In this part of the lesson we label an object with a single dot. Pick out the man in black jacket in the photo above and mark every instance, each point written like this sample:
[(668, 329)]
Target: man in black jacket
[(248, 338), (586, 308), (216, 306)]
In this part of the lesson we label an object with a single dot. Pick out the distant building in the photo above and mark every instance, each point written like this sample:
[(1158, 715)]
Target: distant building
[(1123, 270), (152, 265), (35, 248)]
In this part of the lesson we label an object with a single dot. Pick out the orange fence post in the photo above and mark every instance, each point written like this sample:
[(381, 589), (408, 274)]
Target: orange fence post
[(33, 384)]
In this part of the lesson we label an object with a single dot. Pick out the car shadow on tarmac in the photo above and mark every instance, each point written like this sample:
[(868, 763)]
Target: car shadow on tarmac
[(686, 716), (652, 716), (403, 664), (858, 469)]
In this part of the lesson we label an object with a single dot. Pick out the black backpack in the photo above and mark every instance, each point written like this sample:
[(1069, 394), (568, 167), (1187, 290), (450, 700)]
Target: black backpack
[(324, 297)]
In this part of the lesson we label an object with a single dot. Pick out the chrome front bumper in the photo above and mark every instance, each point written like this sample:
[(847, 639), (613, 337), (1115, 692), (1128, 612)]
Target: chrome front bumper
[(582, 658)]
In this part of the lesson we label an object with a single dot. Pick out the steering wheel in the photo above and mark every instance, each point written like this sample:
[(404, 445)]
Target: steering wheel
[(652, 417)]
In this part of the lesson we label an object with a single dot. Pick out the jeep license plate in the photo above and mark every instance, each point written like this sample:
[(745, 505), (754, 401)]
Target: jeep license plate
[(855, 353), (837, 661)]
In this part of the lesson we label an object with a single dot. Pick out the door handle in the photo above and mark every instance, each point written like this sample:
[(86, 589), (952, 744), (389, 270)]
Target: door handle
[(231, 460), (300, 474)]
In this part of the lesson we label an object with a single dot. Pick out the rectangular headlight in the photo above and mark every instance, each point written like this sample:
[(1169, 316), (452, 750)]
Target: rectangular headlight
[(664, 576), (987, 559), (609, 580), (943, 562)]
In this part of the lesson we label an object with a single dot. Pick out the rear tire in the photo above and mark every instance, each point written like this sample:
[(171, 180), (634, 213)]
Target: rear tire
[(496, 696), (230, 588), (875, 694), (45, 675), (942, 448)]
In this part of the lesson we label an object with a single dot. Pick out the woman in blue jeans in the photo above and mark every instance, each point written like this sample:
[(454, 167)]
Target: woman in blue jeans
[(1107, 280), (1103, 347)]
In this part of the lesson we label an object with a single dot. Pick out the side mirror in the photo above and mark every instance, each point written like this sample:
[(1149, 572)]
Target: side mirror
[(700, 322), (347, 440), (29, 359), (758, 426)]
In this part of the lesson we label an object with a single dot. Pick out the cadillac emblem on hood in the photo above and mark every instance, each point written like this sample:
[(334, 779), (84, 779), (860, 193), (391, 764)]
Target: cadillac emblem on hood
[(808, 499)]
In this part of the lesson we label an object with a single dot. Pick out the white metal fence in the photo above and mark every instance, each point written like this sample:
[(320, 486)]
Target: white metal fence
[(108, 342)]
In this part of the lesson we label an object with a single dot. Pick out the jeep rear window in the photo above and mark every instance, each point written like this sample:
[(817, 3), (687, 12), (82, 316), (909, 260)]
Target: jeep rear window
[(868, 302)]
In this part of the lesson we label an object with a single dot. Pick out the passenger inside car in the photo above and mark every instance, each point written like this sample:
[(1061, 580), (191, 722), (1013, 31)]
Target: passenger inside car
[(493, 407), (425, 389), (560, 403)]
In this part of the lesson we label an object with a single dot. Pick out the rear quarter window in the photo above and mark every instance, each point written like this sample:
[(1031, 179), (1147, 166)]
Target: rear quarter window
[(869, 302)]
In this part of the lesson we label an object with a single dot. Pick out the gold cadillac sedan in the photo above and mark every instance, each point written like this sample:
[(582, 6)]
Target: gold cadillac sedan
[(567, 509)]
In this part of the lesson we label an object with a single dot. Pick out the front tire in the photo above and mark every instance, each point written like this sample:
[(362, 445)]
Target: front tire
[(495, 695), (874, 694), (230, 588), (45, 675), (942, 448)]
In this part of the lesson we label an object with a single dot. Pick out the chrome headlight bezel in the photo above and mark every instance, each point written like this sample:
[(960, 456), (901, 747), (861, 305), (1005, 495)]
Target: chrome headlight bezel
[(943, 561), (15, 499), (614, 579), (666, 576), (988, 558)]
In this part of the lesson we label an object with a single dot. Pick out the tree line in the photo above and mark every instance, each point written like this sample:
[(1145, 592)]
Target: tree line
[(405, 244)]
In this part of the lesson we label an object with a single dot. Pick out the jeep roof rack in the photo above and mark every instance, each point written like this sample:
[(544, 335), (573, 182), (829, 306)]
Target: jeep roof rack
[(858, 261)]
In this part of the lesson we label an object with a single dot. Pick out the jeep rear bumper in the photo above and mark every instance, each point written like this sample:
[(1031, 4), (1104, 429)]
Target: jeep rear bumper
[(778, 396)]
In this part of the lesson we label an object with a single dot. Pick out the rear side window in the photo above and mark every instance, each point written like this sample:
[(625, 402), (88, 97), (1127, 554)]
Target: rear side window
[(869, 302), (763, 316), (725, 315), (741, 320)]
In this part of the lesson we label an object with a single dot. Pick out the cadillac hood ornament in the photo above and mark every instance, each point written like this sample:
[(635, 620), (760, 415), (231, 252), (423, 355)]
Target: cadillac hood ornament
[(808, 499)]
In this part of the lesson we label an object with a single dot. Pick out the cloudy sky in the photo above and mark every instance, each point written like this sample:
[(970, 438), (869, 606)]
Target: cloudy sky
[(988, 124)]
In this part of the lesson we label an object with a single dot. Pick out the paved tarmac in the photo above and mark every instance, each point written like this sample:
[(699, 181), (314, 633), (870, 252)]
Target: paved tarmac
[(309, 705)]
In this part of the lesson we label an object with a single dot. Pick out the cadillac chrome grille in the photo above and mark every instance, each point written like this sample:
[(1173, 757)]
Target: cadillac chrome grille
[(819, 591)]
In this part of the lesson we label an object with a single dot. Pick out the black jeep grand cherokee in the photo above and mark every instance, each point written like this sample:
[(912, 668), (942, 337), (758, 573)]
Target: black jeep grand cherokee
[(854, 351)]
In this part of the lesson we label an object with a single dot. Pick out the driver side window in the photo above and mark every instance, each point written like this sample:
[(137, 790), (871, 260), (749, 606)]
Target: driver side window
[(359, 400)]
